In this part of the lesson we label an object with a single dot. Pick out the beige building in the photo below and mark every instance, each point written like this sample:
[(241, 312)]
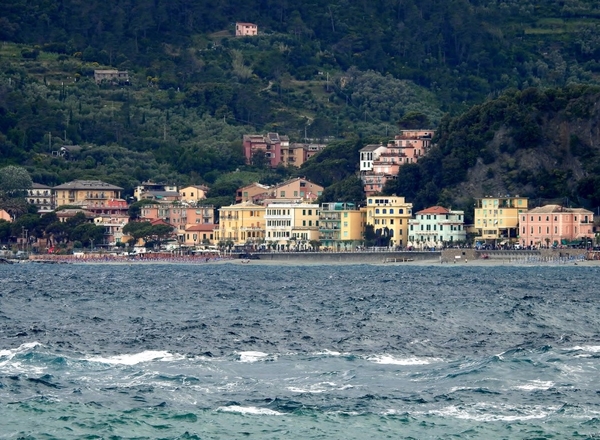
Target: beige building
[(111, 76), (193, 193), (497, 218), (341, 226), (297, 188), (241, 224), (245, 29), (88, 193), (252, 193), (389, 216), (42, 197), (200, 234), (291, 225)]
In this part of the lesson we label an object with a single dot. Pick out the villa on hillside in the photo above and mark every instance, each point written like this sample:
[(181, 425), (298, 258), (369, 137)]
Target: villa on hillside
[(245, 29), (379, 163)]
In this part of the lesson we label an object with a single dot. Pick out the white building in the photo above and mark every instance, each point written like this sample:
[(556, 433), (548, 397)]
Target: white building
[(291, 225), (435, 227), (368, 154)]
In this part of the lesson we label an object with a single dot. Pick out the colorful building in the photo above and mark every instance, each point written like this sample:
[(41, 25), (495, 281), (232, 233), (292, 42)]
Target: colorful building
[(291, 225), (193, 194), (497, 218), (389, 216), (436, 227), (242, 224), (88, 193), (341, 226), (554, 225), (245, 29)]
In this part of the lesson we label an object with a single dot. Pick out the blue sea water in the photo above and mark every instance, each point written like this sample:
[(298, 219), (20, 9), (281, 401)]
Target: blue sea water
[(227, 351)]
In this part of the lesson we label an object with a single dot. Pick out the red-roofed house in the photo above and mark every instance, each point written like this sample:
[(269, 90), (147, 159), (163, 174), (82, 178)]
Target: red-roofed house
[(199, 234), (435, 226)]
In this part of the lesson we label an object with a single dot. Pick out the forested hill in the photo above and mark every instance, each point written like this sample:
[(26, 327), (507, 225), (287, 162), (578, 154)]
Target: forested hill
[(544, 145), (341, 70)]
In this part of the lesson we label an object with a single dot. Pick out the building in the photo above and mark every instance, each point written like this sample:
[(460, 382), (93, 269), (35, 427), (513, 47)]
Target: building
[(200, 215), (497, 218), (200, 234), (245, 29), (112, 207), (255, 192), (270, 144), (436, 227), (111, 76), (554, 225), (113, 229), (42, 197), (241, 224), (86, 193), (5, 216), (297, 189), (388, 216), (341, 226), (193, 194), (156, 191), (379, 164), (295, 154), (291, 226)]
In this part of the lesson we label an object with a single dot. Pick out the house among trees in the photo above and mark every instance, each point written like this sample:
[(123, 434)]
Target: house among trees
[(379, 163), (86, 193), (111, 76), (245, 29), (277, 150), (42, 197), (156, 191)]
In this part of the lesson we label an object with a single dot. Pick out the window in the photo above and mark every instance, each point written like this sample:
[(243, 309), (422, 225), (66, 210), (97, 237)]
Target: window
[(282, 193)]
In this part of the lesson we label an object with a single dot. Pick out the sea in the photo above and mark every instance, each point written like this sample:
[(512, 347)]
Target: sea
[(236, 351)]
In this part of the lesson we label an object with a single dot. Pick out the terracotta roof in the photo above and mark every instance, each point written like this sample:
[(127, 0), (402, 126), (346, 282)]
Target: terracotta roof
[(434, 210), (202, 227)]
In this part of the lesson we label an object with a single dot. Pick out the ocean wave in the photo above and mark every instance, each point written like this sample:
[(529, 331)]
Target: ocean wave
[(319, 388), (23, 348), (137, 358), (495, 413), (387, 359), (254, 356), (250, 410), (535, 385)]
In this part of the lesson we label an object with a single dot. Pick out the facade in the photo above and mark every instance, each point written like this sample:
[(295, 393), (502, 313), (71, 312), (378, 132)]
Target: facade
[(554, 225), (435, 227), (245, 29), (42, 197), (112, 207), (88, 193), (341, 226), (193, 194), (113, 229), (5, 215), (155, 191), (200, 234), (291, 225), (241, 224), (252, 193), (295, 154), (271, 144), (297, 189), (379, 164), (497, 218), (111, 76), (389, 216)]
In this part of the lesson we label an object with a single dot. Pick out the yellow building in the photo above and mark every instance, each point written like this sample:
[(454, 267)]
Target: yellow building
[(242, 224), (291, 225), (341, 226), (389, 217), (88, 193), (497, 218), (193, 193)]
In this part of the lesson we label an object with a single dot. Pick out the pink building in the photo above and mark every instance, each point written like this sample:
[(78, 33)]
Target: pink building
[(245, 29), (553, 225), (271, 145)]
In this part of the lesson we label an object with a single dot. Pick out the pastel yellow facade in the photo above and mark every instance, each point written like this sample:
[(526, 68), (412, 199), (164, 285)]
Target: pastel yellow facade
[(498, 217), (292, 225), (341, 226), (389, 216), (89, 193), (193, 193), (241, 224)]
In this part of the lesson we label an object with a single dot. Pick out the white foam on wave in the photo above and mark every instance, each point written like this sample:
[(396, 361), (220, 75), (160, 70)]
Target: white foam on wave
[(137, 358), (327, 353), (588, 348), (10, 353), (391, 360), (252, 356), (482, 413), (319, 388), (250, 410), (534, 385)]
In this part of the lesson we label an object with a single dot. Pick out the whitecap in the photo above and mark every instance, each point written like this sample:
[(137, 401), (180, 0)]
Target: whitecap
[(251, 410), (588, 348), (20, 349), (491, 414), (535, 385), (319, 388), (391, 360), (252, 356), (137, 358)]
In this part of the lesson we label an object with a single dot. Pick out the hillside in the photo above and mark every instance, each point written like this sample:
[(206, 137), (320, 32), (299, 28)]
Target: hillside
[(541, 144), (342, 71)]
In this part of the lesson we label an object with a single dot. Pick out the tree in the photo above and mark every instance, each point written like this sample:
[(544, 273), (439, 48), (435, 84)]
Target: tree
[(135, 209), (14, 183), (87, 233)]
